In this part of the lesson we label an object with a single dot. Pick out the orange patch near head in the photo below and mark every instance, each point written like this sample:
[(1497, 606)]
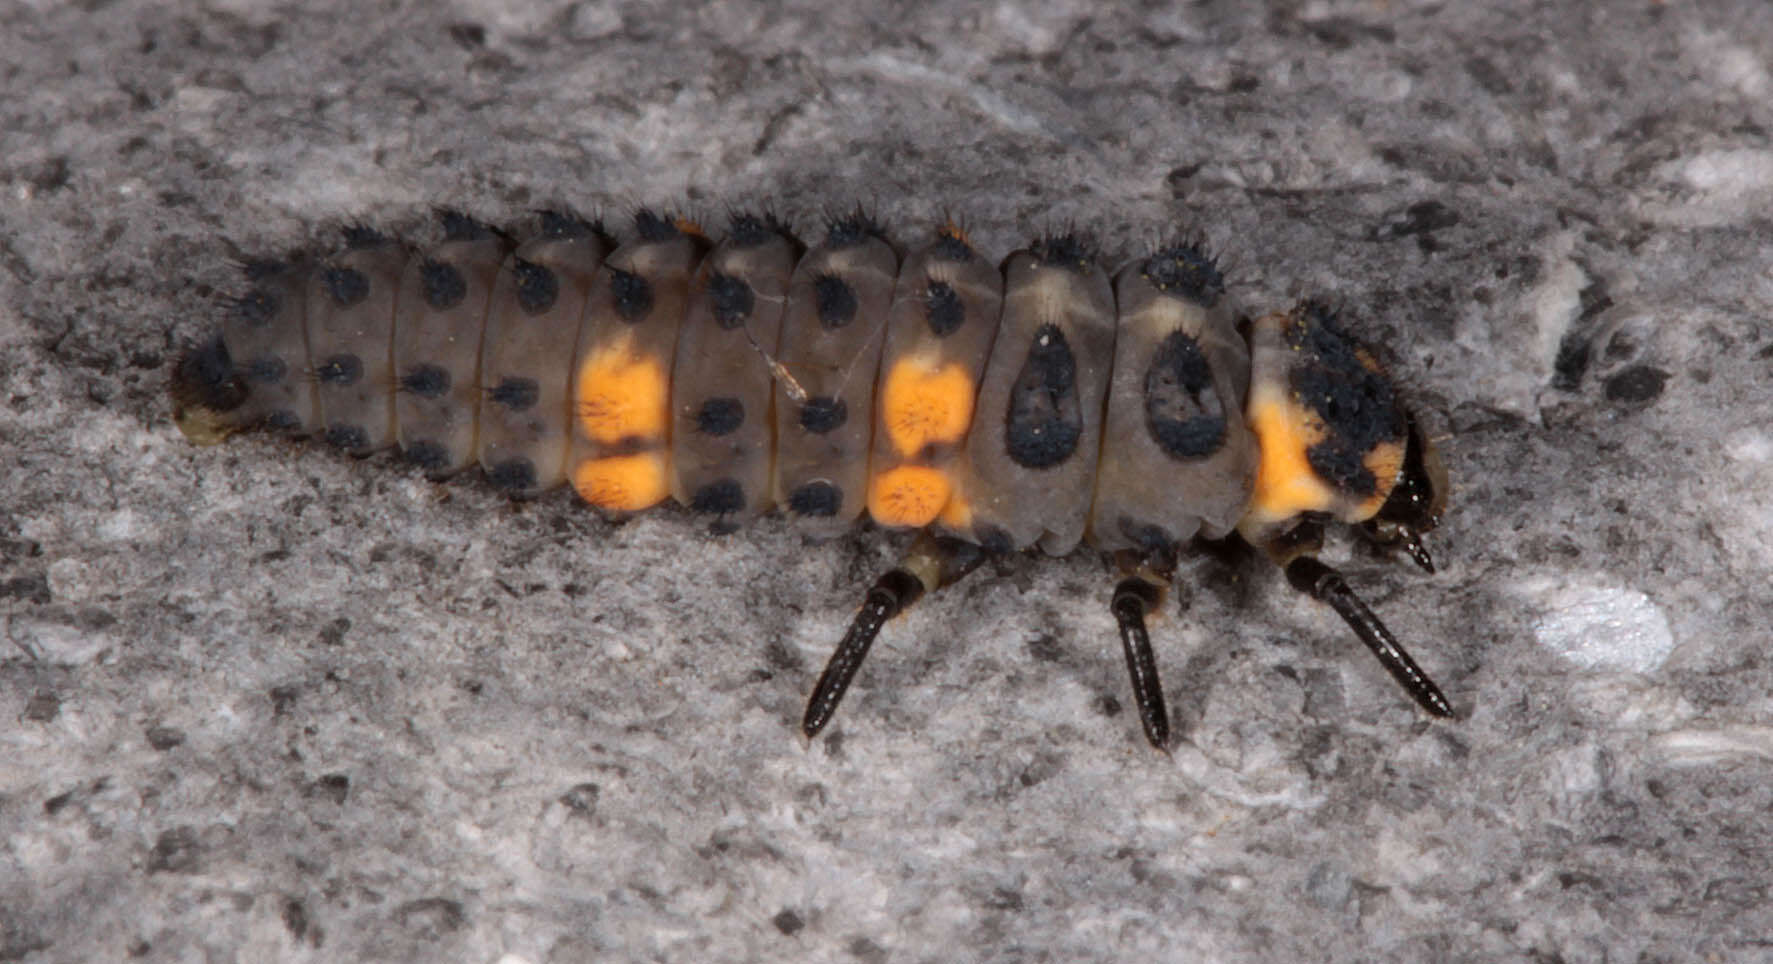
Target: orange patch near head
[(622, 483), (910, 495), (619, 396), (922, 405), (1386, 462), (1286, 485)]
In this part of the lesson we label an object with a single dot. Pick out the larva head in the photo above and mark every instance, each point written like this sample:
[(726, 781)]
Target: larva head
[(207, 392), (1416, 502)]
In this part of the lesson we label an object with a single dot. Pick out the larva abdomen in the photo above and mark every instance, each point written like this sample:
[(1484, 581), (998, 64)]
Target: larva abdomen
[(440, 317)]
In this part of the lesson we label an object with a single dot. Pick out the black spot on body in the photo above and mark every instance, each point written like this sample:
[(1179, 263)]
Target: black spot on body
[(718, 498), (512, 475), (266, 370), (284, 420), (631, 295), (346, 286), (943, 309), (836, 301), (516, 394), (1044, 420), (720, 416), (818, 499), (428, 455), (442, 283), (1636, 385), (537, 286), (655, 227), (341, 369), (425, 381), (731, 299), (347, 437), (823, 414), (1182, 409), (1185, 271)]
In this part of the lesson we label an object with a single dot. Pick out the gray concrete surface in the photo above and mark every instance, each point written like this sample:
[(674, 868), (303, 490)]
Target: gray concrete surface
[(260, 702)]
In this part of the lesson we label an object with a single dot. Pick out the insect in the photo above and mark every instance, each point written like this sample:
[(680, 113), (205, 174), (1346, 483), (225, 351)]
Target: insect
[(994, 409)]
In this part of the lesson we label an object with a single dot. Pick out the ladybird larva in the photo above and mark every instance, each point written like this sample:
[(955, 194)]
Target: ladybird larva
[(996, 410)]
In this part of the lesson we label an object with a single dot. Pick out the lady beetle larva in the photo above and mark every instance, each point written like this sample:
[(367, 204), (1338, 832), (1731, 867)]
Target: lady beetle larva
[(994, 410)]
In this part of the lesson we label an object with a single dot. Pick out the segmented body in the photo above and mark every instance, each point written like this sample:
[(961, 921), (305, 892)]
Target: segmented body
[(1037, 405)]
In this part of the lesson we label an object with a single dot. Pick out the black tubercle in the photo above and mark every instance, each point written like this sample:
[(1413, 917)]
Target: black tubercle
[(442, 283), (359, 237), (823, 414), (258, 306), (836, 301), (1044, 420), (517, 394), (537, 286), (951, 245), (720, 416), (731, 299), (428, 455), (943, 309), (653, 226), (1069, 251), (1182, 410), (346, 286), (342, 369), (512, 475), (347, 437), (631, 295), (1184, 270), (720, 497), (851, 229), (425, 381), (565, 226), (458, 226), (748, 230), (817, 499)]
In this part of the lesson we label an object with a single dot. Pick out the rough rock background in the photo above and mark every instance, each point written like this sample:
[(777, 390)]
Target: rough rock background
[(265, 703)]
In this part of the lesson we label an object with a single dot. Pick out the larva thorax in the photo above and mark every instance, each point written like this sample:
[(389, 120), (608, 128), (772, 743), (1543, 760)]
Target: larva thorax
[(1040, 404)]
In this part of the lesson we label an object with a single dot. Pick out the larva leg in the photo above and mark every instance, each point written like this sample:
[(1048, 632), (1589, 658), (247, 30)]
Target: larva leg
[(932, 563), (1296, 553), (1140, 591)]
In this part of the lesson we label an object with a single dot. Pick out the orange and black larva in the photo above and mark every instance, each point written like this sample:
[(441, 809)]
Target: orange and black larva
[(995, 410)]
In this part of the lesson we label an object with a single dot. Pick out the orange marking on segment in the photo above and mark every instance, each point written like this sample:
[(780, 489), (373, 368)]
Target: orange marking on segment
[(921, 405), (1285, 482), (622, 483), (910, 495), (1386, 462), (620, 396)]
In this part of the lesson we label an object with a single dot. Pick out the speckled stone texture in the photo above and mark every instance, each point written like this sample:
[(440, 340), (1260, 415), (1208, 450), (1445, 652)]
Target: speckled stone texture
[(263, 703)]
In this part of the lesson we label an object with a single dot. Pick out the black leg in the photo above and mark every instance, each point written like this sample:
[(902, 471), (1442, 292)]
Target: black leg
[(930, 564), (1131, 599), (1324, 583)]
